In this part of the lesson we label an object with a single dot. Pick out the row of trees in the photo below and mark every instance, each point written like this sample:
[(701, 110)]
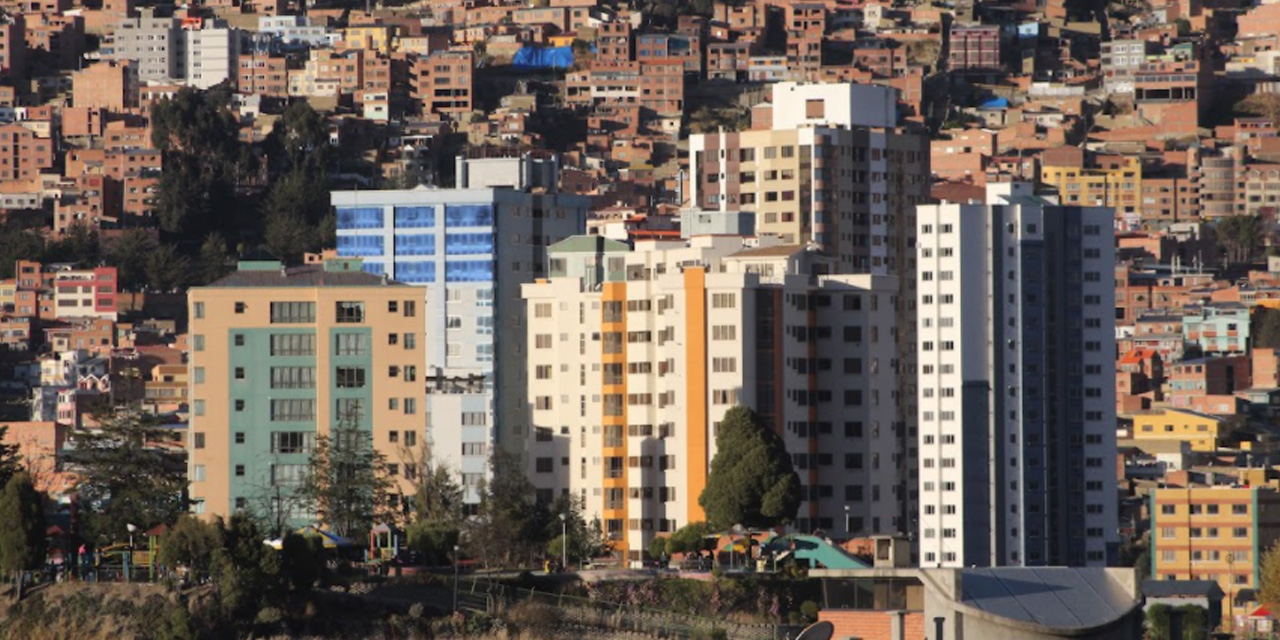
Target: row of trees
[(133, 473)]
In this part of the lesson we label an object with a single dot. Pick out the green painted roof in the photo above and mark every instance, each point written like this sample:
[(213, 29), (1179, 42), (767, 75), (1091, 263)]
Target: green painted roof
[(587, 244)]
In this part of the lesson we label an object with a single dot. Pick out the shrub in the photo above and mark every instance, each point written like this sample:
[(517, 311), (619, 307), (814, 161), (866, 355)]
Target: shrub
[(809, 609)]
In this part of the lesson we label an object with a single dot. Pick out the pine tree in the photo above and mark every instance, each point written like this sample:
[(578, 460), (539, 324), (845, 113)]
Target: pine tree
[(10, 458), (22, 538), (132, 472), (1269, 593), (751, 481)]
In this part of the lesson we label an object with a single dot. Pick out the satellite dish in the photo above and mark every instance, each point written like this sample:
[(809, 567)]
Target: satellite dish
[(822, 630)]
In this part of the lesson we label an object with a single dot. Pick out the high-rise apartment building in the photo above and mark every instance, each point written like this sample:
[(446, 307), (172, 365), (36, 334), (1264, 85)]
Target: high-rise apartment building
[(635, 356), (282, 355), (468, 251), (832, 168), (1016, 386)]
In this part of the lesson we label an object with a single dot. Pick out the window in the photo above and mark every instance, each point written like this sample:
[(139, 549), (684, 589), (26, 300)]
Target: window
[(239, 339), (239, 437), (198, 407), (288, 474), (415, 217), (293, 377), (197, 473), (197, 440), (418, 244), (197, 309), (197, 342), (293, 344), (468, 244), (351, 344), (240, 307), (468, 215), (349, 409), (359, 218), (723, 301), (293, 409), (293, 312), (468, 271), (287, 442), (239, 471), (350, 377), (350, 312)]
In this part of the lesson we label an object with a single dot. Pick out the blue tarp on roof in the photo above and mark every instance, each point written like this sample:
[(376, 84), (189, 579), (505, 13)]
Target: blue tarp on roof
[(996, 103), (543, 58)]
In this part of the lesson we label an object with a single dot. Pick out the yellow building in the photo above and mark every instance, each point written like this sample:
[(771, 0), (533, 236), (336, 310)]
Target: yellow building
[(1214, 533), (1200, 430), (8, 295), (1118, 184), (282, 356), (370, 37)]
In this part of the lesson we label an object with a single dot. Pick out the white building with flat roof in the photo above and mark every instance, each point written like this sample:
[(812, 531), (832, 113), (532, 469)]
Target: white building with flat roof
[(1016, 349)]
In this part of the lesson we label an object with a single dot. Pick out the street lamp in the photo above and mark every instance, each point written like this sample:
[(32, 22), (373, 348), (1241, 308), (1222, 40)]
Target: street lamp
[(1231, 580), (564, 542), (129, 554), (455, 578), (847, 532)]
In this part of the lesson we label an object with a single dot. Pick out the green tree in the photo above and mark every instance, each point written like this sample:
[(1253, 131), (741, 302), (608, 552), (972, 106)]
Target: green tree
[(245, 570), (78, 245), (691, 538), (294, 211), (22, 538), (1269, 591), (130, 253), (751, 481), (301, 561), (132, 471), (658, 548), (508, 527), (301, 139), (191, 543), (585, 540), (438, 496), (348, 485), (433, 539), (1266, 328), (1194, 622), (17, 244), (213, 258), (167, 269), (203, 160), (1239, 237), (10, 457)]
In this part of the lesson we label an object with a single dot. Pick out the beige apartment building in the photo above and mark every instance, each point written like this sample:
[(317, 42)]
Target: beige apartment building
[(635, 356), (280, 356)]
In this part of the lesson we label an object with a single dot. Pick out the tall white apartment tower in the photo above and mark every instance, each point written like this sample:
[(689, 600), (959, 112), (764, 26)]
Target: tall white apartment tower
[(1016, 385)]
